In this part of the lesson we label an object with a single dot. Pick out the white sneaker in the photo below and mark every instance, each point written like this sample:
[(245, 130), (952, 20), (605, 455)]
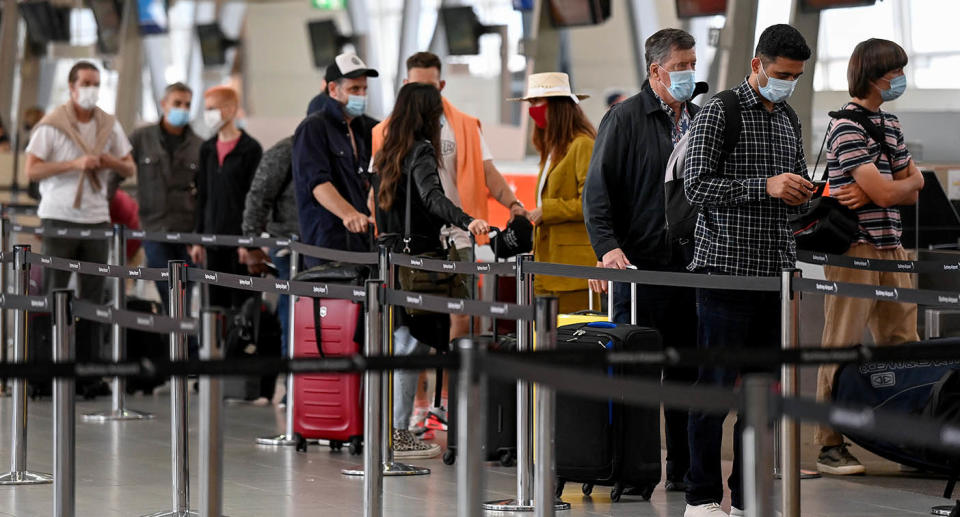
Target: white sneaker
[(704, 510), (736, 512)]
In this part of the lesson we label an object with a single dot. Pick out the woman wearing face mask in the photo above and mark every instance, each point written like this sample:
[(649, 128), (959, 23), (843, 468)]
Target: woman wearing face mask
[(564, 138), (872, 178)]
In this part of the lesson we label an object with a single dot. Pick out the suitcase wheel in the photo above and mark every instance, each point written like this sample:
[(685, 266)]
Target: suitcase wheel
[(336, 445), (616, 492), (449, 457), (646, 492), (560, 486), (506, 458), (356, 446), (301, 442), (587, 489)]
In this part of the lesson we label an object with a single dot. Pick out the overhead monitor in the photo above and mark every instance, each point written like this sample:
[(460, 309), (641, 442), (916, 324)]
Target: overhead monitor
[(153, 16), (45, 23), (326, 42), (694, 8), (463, 30), (575, 13), (818, 5), (108, 14), (213, 44)]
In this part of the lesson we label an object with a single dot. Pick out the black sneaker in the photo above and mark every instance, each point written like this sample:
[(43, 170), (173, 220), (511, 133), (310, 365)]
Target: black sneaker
[(838, 461)]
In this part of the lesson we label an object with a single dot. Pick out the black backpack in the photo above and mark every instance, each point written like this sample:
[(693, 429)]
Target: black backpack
[(681, 216)]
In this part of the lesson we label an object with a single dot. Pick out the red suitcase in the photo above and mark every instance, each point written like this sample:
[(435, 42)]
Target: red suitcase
[(328, 406)]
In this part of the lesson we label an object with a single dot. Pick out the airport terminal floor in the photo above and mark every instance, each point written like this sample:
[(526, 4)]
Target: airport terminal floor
[(123, 470)]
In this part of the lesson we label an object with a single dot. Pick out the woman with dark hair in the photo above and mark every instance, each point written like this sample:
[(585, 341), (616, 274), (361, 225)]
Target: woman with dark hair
[(564, 138), (872, 178), (410, 156)]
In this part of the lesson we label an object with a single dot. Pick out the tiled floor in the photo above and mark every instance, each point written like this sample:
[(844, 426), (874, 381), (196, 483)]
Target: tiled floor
[(123, 469)]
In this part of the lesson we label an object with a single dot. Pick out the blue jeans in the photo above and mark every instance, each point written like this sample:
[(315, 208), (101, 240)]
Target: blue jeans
[(728, 319), (282, 262), (673, 312)]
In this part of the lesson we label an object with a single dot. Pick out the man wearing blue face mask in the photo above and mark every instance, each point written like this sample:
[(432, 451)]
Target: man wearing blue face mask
[(167, 156), (623, 206), (745, 171), (331, 154)]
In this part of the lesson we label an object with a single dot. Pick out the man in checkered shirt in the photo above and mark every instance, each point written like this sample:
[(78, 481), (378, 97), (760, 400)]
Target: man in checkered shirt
[(744, 199)]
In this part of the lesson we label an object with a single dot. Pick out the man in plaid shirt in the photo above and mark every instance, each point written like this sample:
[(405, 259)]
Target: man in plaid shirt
[(744, 199)]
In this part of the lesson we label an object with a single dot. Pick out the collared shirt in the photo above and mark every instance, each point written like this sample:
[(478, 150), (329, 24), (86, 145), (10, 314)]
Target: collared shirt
[(742, 230), (678, 127)]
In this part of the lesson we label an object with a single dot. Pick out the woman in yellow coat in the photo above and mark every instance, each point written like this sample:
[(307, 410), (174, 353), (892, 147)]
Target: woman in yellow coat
[(564, 138)]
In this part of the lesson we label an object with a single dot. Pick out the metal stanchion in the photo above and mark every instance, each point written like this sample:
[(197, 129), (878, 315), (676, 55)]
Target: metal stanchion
[(4, 268), (633, 299), (19, 475), (179, 445), (373, 395), (211, 411), (390, 467), (610, 300), (524, 500), (64, 410), (288, 437), (472, 394), (118, 410), (545, 499), (758, 446)]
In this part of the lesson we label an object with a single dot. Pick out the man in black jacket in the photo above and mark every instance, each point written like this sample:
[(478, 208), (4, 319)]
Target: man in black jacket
[(623, 205), (228, 161)]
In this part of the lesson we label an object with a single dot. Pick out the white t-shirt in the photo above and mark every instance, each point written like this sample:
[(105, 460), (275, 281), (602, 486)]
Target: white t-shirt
[(448, 178), (57, 192)]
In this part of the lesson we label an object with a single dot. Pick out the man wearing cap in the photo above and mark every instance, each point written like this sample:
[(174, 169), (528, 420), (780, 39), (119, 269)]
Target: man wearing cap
[(623, 205), (331, 155), (467, 171)]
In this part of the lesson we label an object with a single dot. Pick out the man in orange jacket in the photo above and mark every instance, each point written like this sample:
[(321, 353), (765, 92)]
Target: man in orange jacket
[(468, 172)]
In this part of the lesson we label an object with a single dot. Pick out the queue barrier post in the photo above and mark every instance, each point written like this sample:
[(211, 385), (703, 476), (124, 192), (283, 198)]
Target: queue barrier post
[(4, 279), (787, 430), (211, 412), (633, 299), (64, 410), (472, 394), (118, 410), (373, 397), (757, 444), (545, 497), (18, 474), (179, 444), (610, 300), (524, 500), (288, 437), (389, 466)]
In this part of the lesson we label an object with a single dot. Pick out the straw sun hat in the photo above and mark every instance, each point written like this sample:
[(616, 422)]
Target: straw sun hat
[(550, 84)]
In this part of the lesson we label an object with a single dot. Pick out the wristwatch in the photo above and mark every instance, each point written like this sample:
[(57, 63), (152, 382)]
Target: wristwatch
[(518, 203)]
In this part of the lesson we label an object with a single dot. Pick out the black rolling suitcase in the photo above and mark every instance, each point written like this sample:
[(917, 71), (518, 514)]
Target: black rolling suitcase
[(609, 443), (501, 435), (146, 345)]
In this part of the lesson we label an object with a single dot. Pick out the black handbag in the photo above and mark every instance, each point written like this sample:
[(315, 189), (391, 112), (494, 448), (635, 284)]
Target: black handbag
[(449, 285), (826, 226)]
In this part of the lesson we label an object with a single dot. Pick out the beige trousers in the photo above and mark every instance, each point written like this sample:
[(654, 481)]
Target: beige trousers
[(890, 323)]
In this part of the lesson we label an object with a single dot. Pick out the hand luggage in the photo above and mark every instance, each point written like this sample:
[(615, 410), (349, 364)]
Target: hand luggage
[(609, 443), (501, 435), (88, 338), (328, 406), (252, 331), (146, 345)]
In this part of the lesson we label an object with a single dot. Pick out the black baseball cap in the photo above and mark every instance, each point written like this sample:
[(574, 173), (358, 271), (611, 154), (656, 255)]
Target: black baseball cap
[(349, 66)]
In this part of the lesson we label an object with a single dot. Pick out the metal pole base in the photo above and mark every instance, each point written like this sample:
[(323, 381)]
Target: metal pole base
[(117, 415), (390, 469), (174, 513), (277, 440), (25, 478), (941, 510), (512, 505), (804, 474)]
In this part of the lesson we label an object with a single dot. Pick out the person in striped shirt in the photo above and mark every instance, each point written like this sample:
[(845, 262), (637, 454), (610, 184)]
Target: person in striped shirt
[(873, 179)]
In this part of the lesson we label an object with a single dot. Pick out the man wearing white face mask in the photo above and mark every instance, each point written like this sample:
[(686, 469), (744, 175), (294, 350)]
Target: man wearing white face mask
[(331, 155), (745, 171), (168, 157), (71, 154), (228, 161), (623, 206)]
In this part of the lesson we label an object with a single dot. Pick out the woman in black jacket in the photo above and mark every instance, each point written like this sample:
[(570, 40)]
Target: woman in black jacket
[(410, 156)]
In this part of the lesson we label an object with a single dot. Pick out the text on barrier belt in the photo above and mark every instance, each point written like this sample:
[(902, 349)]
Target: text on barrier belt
[(932, 265), (95, 269), (273, 285), (507, 311), (148, 322), (728, 282), (878, 292), (450, 266)]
